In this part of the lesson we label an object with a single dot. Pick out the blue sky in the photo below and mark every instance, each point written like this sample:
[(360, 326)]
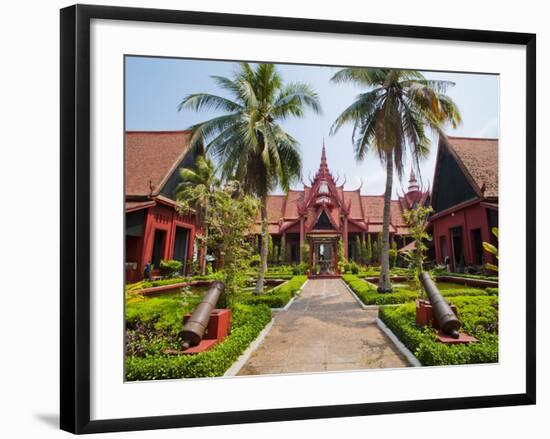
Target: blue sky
[(155, 86)]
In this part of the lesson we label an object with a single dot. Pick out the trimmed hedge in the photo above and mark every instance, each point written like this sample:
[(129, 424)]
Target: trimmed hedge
[(369, 295), (247, 323), (278, 297), (479, 317), (135, 287), (166, 313)]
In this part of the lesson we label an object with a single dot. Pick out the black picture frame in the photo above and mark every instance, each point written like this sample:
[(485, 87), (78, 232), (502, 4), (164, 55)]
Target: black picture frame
[(75, 217)]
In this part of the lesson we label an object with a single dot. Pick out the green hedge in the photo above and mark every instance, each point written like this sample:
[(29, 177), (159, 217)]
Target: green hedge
[(466, 276), (479, 317), (247, 323), (135, 287), (165, 312), (278, 297), (369, 295)]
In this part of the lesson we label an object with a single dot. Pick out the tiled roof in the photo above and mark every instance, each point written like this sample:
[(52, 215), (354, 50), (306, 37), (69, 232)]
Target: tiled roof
[(291, 205), (373, 208), (131, 206), (480, 158), (150, 157), (354, 198)]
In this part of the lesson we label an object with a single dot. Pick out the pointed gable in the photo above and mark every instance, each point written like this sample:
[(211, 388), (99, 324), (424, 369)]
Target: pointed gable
[(452, 184), (323, 222)]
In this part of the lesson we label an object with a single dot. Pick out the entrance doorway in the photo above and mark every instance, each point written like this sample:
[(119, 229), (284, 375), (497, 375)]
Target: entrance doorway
[(323, 255), (181, 246), (458, 249)]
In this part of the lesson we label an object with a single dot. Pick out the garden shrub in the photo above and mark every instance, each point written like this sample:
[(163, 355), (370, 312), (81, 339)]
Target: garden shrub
[(170, 268), (479, 317), (165, 313), (279, 296), (354, 268), (369, 295), (247, 323)]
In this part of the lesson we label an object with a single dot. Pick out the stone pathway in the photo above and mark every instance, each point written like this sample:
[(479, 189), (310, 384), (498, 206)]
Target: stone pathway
[(325, 329)]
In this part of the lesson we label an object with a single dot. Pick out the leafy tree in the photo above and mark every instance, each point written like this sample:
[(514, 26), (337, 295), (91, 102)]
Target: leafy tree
[(490, 248), (417, 222), (358, 249), (248, 141), (393, 254), (368, 251), (196, 192), (389, 117), (230, 222)]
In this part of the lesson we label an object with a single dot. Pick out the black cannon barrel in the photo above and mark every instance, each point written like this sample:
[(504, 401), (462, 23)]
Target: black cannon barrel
[(442, 312), (196, 325)]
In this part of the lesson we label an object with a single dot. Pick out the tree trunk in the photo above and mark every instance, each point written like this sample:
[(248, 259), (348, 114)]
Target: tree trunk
[(264, 250), (384, 284), (204, 250), (205, 241)]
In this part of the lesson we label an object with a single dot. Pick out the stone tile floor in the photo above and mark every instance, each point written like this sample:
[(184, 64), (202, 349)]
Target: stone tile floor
[(325, 329)]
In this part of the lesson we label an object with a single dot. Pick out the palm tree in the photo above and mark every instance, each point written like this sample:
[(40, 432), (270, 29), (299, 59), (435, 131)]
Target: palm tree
[(248, 141), (390, 118), (197, 191)]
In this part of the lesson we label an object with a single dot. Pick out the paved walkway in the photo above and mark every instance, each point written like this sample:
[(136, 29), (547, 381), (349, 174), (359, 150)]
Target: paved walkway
[(324, 330)]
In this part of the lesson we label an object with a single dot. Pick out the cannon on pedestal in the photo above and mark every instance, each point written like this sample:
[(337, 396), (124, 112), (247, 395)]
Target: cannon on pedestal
[(195, 326), (442, 312)]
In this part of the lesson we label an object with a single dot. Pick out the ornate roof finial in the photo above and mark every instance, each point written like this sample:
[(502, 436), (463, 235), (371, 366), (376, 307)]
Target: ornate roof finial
[(413, 184), (324, 155)]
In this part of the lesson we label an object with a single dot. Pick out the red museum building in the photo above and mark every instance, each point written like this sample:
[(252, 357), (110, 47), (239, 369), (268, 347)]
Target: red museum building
[(464, 197), (465, 201), (323, 213), (154, 229)]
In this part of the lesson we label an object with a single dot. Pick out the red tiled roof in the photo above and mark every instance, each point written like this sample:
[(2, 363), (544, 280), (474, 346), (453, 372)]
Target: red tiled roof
[(131, 206), (373, 208), (480, 158), (291, 205), (354, 199), (150, 157)]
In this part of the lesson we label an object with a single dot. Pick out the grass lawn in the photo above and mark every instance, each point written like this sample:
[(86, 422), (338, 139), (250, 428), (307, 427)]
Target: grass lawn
[(404, 292), (479, 317), (277, 297)]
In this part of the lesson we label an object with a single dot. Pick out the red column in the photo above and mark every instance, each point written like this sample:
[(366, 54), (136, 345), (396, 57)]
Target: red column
[(301, 238), (346, 238)]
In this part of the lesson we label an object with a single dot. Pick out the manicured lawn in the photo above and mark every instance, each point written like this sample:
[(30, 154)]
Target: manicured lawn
[(479, 317), (277, 297), (404, 292)]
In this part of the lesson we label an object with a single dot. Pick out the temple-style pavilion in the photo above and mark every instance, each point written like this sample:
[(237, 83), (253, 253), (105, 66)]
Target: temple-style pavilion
[(323, 213)]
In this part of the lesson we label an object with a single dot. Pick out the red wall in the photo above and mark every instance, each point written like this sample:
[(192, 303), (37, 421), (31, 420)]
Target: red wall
[(469, 218), (159, 217)]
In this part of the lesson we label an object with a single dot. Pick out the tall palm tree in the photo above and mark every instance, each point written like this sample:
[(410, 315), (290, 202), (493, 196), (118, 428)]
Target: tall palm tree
[(197, 191), (391, 117), (248, 141)]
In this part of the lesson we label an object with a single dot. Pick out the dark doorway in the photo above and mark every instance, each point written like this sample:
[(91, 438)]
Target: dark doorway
[(181, 242), (158, 247), (443, 247), (477, 247), (458, 249)]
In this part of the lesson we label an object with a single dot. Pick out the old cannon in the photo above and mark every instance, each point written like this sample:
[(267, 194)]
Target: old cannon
[(442, 312), (195, 326)]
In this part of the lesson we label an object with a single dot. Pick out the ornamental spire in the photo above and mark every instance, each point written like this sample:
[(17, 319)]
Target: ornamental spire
[(413, 184), (324, 156)]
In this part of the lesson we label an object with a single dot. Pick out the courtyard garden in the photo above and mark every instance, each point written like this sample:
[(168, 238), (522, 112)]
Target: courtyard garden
[(154, 323), (244, 238)]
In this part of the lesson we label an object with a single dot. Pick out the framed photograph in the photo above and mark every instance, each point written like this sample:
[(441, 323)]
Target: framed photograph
[(274, 218)]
